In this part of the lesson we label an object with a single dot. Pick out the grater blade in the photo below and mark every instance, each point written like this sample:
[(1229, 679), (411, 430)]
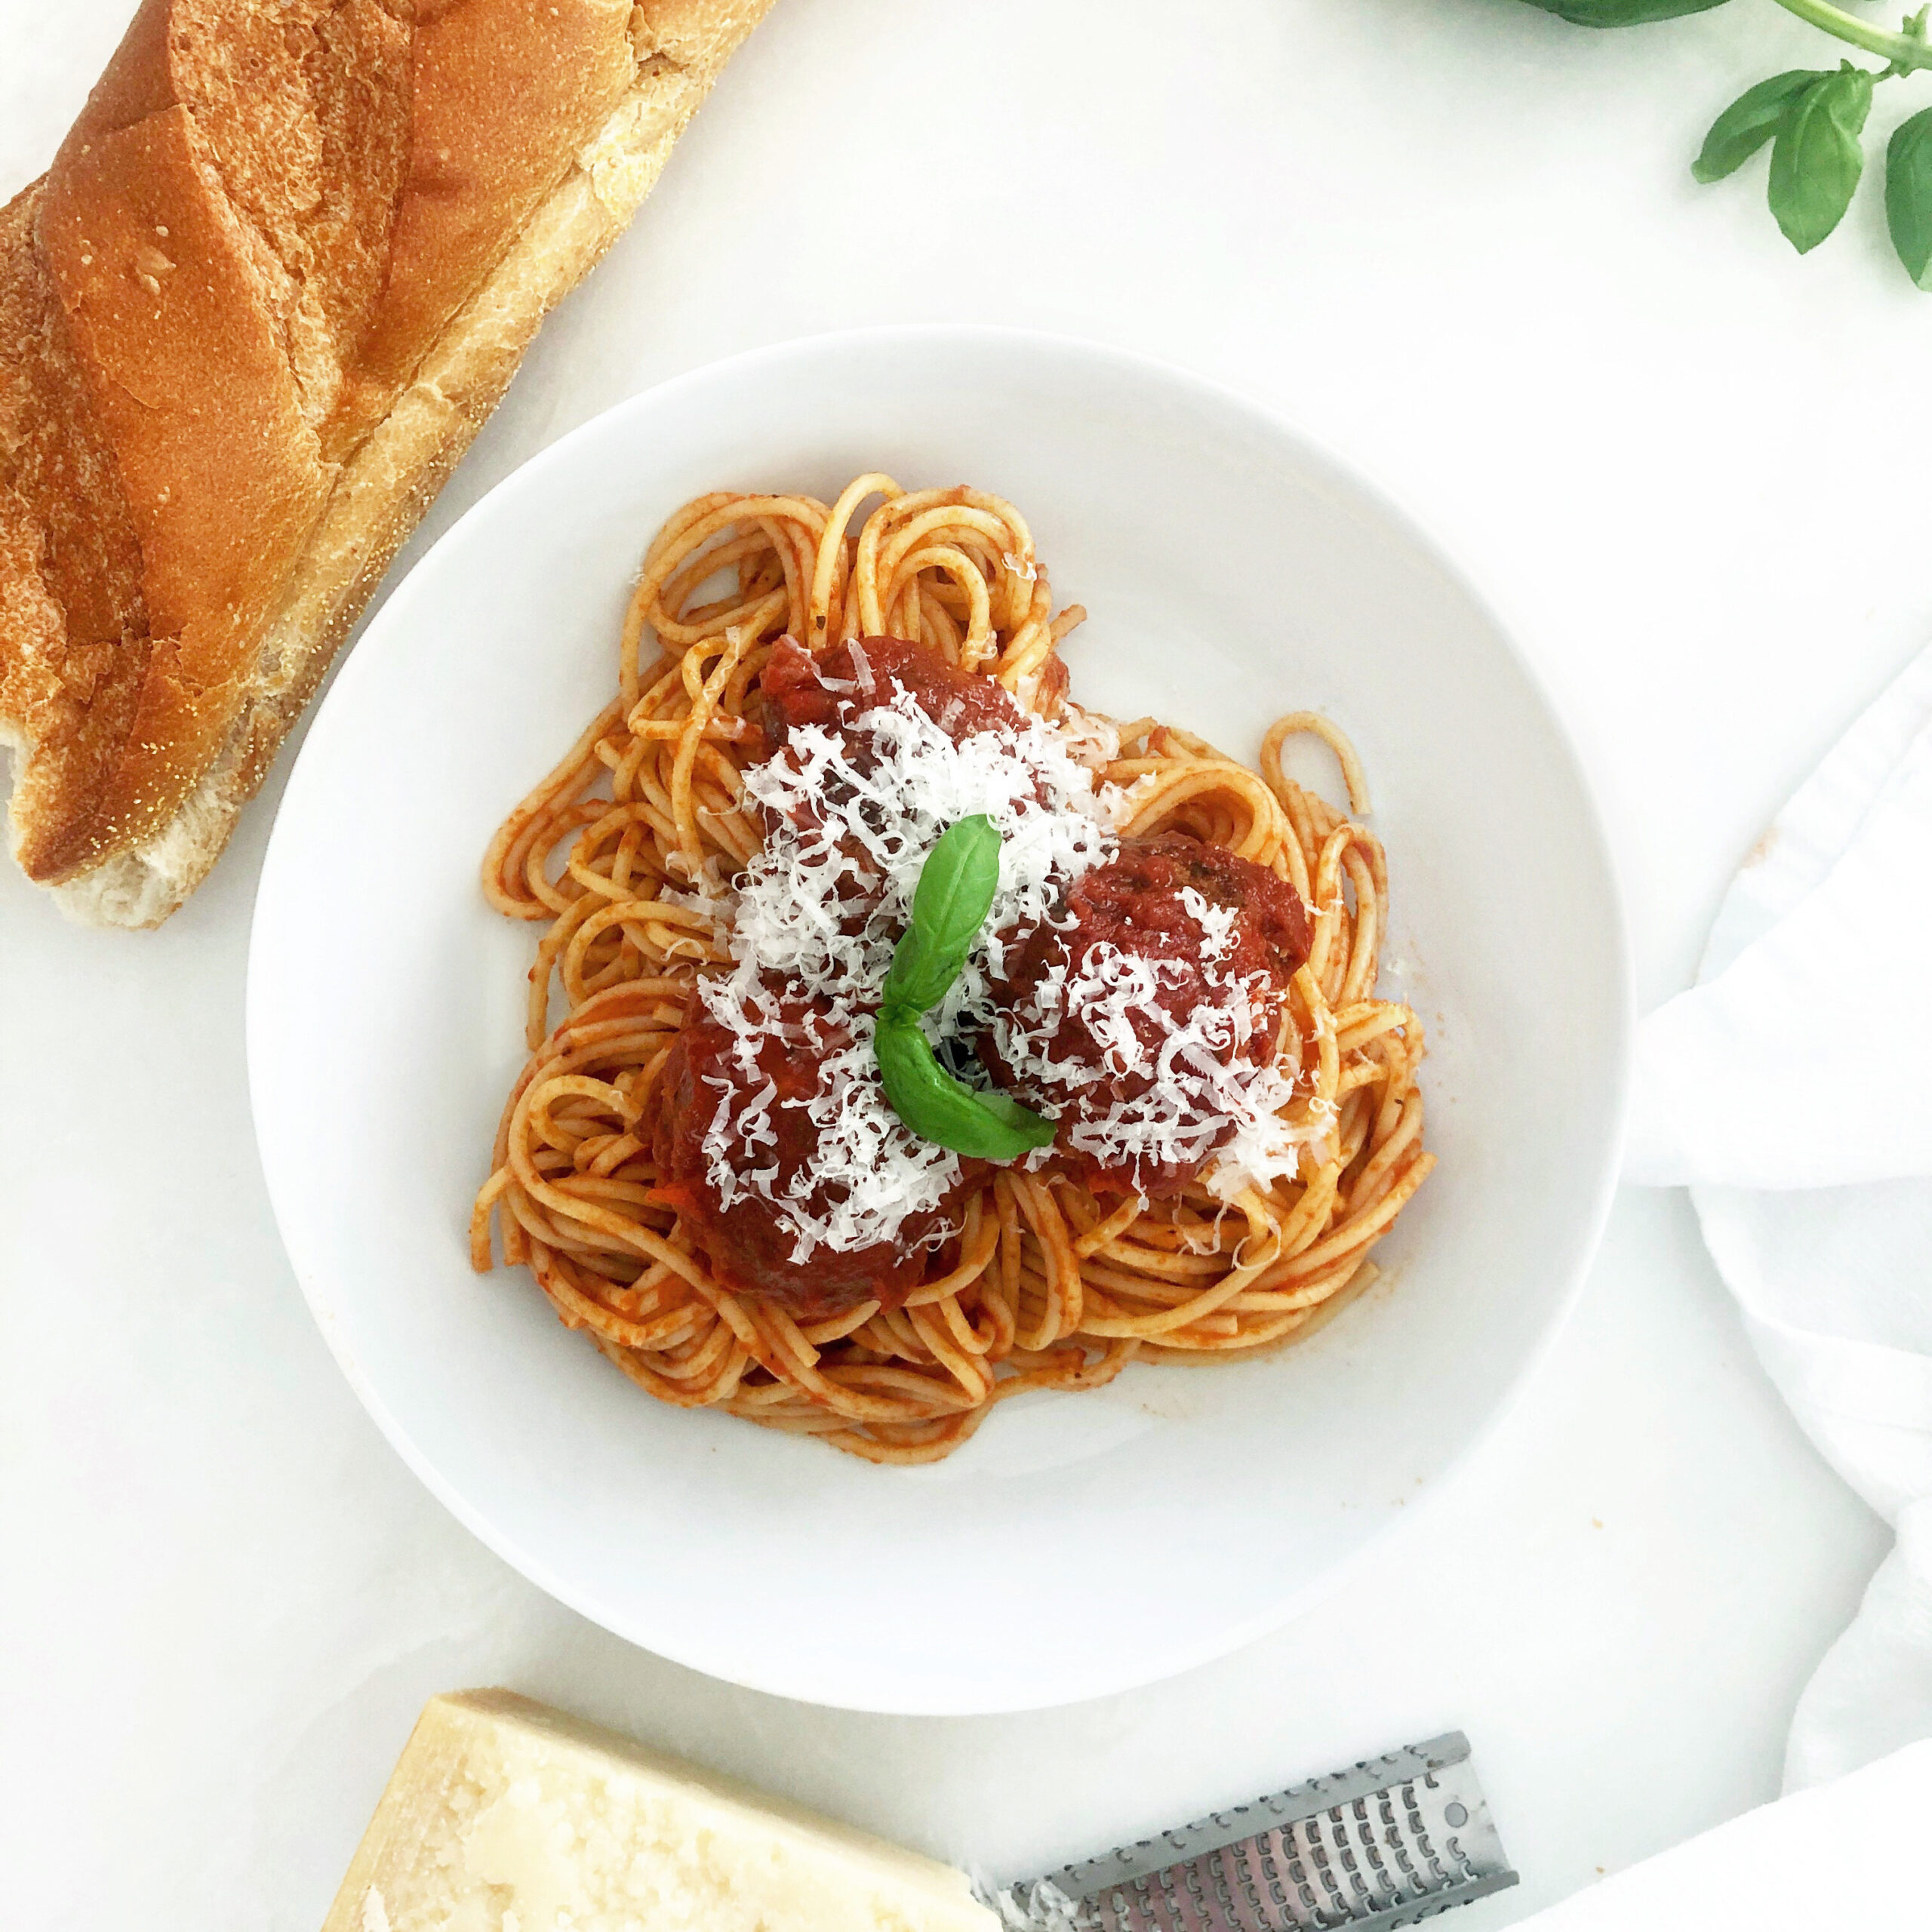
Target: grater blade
[(1389, 1842)]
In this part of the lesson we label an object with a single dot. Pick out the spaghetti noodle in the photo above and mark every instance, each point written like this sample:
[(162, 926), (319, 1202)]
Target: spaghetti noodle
[(624, 853)]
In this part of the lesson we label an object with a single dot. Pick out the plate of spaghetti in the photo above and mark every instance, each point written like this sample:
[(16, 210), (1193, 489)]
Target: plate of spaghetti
[(823, 1091)]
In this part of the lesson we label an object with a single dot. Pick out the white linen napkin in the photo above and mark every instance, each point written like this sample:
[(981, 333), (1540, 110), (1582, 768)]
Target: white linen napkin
[(1834, 1858), (1800, 1059), (1790, 1089)]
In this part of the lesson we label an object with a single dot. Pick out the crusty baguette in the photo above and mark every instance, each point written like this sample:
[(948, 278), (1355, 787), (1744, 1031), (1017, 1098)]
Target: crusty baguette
[(280, 272)]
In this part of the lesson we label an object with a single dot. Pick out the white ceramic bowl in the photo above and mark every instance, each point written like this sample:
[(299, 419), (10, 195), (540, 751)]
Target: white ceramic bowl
[(1078, 1544)]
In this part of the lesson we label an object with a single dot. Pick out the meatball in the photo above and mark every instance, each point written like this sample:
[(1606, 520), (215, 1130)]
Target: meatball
[(1138, 1015), (830, 691), (754, 1122)]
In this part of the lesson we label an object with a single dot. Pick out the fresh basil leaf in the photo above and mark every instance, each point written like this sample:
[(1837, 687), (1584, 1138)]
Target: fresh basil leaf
[(1817, 158), (1622, 13), (957, 882), (949, 905), (1036, 1128), (1748, 122), (1908, 194), (986, 1127)]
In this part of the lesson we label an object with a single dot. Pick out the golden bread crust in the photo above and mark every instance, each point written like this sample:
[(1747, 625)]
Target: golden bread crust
[(280, 272)]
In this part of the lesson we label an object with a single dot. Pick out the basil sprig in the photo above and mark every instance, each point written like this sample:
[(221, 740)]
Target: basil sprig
[(1813, 121), (949, 905)]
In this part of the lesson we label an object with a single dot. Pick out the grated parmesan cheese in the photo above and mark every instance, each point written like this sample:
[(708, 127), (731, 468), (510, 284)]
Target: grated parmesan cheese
[(851, 815), (1090, 739)]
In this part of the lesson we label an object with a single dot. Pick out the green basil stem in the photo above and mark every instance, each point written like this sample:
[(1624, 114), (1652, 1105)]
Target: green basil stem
[(1904, 50)]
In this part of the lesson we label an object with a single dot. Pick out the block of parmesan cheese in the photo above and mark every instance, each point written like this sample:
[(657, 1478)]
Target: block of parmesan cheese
[(503, 1815)]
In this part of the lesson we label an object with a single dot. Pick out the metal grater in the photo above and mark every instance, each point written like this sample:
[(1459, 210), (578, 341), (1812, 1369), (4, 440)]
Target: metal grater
[(1390, 1842)]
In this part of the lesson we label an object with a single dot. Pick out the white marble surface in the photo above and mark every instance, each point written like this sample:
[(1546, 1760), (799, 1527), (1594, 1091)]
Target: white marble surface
[(1459, 242)]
